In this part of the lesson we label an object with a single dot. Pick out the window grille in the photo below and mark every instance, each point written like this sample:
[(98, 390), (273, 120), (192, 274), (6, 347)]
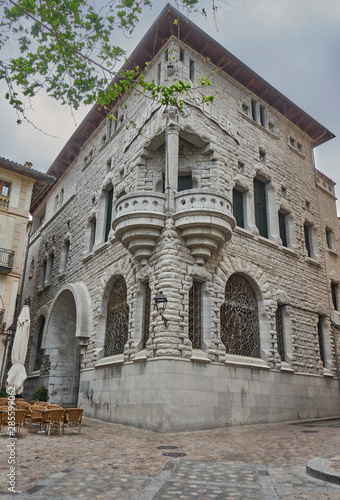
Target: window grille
[(283, 229), (195, 315), (117, 319), (260, 204), (238, 207), (280, 331), (320, 335), (240, 331), (146, 316)]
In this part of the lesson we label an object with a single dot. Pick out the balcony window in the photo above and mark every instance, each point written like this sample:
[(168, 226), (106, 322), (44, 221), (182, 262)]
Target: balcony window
[(5, 188), (260, 204), (238, 208)]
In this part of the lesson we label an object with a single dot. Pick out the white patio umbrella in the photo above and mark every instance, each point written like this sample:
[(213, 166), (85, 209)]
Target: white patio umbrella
[(17, 373)]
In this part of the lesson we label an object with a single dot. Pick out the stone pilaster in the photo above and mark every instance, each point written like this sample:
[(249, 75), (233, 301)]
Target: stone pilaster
[(171, 157)]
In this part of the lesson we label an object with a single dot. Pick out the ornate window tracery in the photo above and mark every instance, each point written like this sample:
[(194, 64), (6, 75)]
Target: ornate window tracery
[(195, 315), (280, 331), (240, 331), (117, 319), (146, 314)]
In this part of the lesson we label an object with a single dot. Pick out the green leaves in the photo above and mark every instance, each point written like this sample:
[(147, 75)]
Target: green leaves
[(65, 47)]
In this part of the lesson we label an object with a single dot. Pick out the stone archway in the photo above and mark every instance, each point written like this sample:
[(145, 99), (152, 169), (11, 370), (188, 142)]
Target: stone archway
[(67, 327)]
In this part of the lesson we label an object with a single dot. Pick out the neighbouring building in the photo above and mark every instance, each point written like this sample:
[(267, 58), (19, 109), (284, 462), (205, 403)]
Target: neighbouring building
[(19, 186), (217, 208), (331, 245)]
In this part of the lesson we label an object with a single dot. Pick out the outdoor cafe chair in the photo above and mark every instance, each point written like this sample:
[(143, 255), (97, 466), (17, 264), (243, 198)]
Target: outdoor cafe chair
[(20, 420), (36, 416), (53, 417), (3, 419), (73, 416)]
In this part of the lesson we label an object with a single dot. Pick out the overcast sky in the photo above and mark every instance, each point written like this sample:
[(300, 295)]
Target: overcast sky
[(293, 44)]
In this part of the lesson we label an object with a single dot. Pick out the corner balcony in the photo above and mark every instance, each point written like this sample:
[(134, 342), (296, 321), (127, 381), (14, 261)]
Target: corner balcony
[(140, 218), (6, 260), (205, 220)]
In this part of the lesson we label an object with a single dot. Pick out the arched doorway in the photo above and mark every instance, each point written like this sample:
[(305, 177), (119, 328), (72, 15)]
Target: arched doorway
[(61, 346)]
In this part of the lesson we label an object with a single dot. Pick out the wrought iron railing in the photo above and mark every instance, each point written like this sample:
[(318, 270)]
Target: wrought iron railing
[(6, 260)]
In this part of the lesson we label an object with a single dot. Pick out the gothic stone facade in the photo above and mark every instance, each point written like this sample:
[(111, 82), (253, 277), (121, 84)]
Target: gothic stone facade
[(217, 208)]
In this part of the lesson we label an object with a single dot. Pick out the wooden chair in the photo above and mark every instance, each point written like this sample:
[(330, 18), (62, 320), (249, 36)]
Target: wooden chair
[(35, 417), (53, 417), (3, 421), (20, 420), (73, 416)]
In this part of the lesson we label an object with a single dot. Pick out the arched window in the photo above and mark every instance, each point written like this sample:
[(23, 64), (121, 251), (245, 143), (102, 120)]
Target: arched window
[(117, 319), (239, 318), (195, 315)]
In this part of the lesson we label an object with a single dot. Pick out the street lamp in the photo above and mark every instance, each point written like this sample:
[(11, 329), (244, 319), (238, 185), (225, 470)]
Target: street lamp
[(161, 302)]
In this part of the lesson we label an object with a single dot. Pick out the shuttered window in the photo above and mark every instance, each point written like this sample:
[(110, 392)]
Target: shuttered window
[(184, 182), (108, 213), (238, 207), (307, 240), (260, 205)]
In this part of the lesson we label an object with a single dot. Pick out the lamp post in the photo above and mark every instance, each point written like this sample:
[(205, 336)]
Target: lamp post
[(8, 336), (161, 302)]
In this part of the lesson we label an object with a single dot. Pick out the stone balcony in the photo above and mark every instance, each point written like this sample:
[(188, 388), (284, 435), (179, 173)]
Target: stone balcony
[(140, 218), (205, 220), (6, 260)]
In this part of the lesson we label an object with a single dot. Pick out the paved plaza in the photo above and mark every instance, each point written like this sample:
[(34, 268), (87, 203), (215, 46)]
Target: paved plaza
[(109, 461)]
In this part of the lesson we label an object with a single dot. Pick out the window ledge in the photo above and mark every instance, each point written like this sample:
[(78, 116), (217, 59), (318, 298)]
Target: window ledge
[(267, 242), (34, 374), (289, 251), (313, 261), (118, 359), (244, 361), (286, 367), (258, 125), (296, 151), (199, 356), (101, 247), (88, 256), (332, 252), (140, 356), (62, 275), (243, 232)]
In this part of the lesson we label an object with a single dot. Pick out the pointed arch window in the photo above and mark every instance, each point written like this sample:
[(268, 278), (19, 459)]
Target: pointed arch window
[(117, 319), (240, 331)]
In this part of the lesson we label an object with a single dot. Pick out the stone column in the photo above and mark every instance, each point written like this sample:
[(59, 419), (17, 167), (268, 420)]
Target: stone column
[(171, 158)]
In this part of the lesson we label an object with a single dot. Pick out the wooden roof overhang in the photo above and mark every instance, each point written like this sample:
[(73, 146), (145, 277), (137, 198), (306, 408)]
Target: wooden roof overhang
[(162, 29)]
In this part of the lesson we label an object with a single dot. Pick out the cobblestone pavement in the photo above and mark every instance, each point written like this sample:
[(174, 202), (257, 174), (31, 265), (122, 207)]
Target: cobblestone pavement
[(109, 461)]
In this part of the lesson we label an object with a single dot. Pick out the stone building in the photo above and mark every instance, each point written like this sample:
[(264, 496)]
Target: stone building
[(217, 208), (19, 186), (330, 241)]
